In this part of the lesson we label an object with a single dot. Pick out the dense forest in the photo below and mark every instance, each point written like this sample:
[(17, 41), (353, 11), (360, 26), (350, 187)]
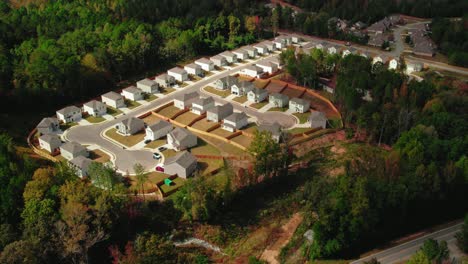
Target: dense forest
[(452, 38)]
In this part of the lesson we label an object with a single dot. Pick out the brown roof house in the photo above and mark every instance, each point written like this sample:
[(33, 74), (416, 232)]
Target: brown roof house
[(183, 164), (185, 100), (48, 125), (317, 119), (71, 150), (158, 130), (219, 112), (200, 105), (130, 126), (235, 121), (50, 142), (181, 139)]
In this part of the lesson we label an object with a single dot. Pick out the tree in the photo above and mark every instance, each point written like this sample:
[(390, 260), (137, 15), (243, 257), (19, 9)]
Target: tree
[(419, 258), (275, 21), (7, 235), (435, 251), (462, 236), (270, 158), (103, 176), (20, 252), (141, 177)]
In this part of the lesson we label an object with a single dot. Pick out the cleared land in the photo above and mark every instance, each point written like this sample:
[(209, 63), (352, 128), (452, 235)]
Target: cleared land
[(221, 132), (127, 141)]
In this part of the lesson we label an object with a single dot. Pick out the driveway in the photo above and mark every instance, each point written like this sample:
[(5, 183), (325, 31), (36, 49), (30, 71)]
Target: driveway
[(124, 159)]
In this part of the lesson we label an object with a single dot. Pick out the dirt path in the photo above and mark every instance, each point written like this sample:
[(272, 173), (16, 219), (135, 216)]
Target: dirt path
[(272, 251)]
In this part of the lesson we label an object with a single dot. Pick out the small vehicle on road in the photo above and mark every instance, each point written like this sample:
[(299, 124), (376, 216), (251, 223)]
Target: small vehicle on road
[(162, 149), (160, 167), (147, 141), (156, 156)]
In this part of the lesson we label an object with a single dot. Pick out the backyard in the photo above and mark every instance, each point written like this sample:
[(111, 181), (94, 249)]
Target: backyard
[(176, 183), (242, 140), (169, 111), (127, 141), (203, 124), (151, 119), (222, 93), (221, 132), (186, 118)]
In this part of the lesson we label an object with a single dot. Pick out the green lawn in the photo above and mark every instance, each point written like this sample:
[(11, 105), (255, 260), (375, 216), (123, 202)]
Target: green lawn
[(221, 132), (302, 117), (278, 109), (240, 99), (335, 123), (66, 126), (125, 140), (113, 111), (259, 105), (299, 130), (222, 93), (250, 128), (203, 148), (156, 143), (95, 119), (169, 153), (150, 97), (186, 118), (167, 90), (131, 104), (176, 183)]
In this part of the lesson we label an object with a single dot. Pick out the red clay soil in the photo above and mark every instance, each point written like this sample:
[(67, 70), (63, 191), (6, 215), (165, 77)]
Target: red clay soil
[(304, 148)]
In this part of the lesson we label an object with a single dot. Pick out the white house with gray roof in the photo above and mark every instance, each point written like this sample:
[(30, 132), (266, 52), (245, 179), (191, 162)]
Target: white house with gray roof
[(274, 129), (158, 130), (50, 142), (242, 88), (296, 38), (185, 100), (219, 112), (226, 82), (148, 86), (252, 71), (278, 100), (71, 150), (317, 119), (251, 51), (219, 60), (113, 99), (205, 64), (95, 108), (332, 49), (393, 64), (181, 139), (261, 49), (69, 114), (130, 126), (178, 73), (235, 121), (165, 80), (230, 57), (80, 165), (200, 105), (183, 164), (299, 105), (267, 66), (279, 44), (257, 95), (269, 45), (193, 69), (241, 54), (132, 93), (48, 125)]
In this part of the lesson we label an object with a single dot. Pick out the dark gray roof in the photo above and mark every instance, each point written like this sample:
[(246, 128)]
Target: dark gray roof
[(204, 61), (72, 147), (258, 91), (112, 95), (132, 122), (81, 162), (235, 117), (227, 107), (185, 159), (94, 104), (177, 70), (47, 121), (159, 125), (146, 82), (229, 80), (51, 138), (274, 129), (317, 116), (69, 109), (204, 101), (180, 133), (279, 96), (299, 101), (187, 96)]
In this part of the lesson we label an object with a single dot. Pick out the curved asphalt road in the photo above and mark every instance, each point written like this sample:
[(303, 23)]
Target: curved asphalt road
[(124, 159)]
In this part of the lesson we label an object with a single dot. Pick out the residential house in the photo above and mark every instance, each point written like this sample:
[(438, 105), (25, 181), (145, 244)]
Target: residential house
[(317, 119), (48, 125), (323, 45), (183, 165), (424, 46), (50, 142), (286, 40), (219, 112), (252, 71), (349, 51), (113, 99), (95, 108), (381, 58), (296, 39), (225, 82), (71, 150), (267, 66), (279, 44), (274, 129), (158, 130), (278, 100), (69, 114), (257, 95), (332, 49), (148, 86), (132, 93), (165, 80), (200, 105), (185, 100), (377, 40), (219, 60), (328, 85), (270, 45), (235, 121), (181, 139), (230, 57), (414, 67), (393, 64), (130, 126), (80, 165), (365, 54), (261, 49), (205, 64), (241, 54), (299, 105), (251, 51), (242, 88), (178, 73), (275, 61), (359, 25), (193, 69)]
